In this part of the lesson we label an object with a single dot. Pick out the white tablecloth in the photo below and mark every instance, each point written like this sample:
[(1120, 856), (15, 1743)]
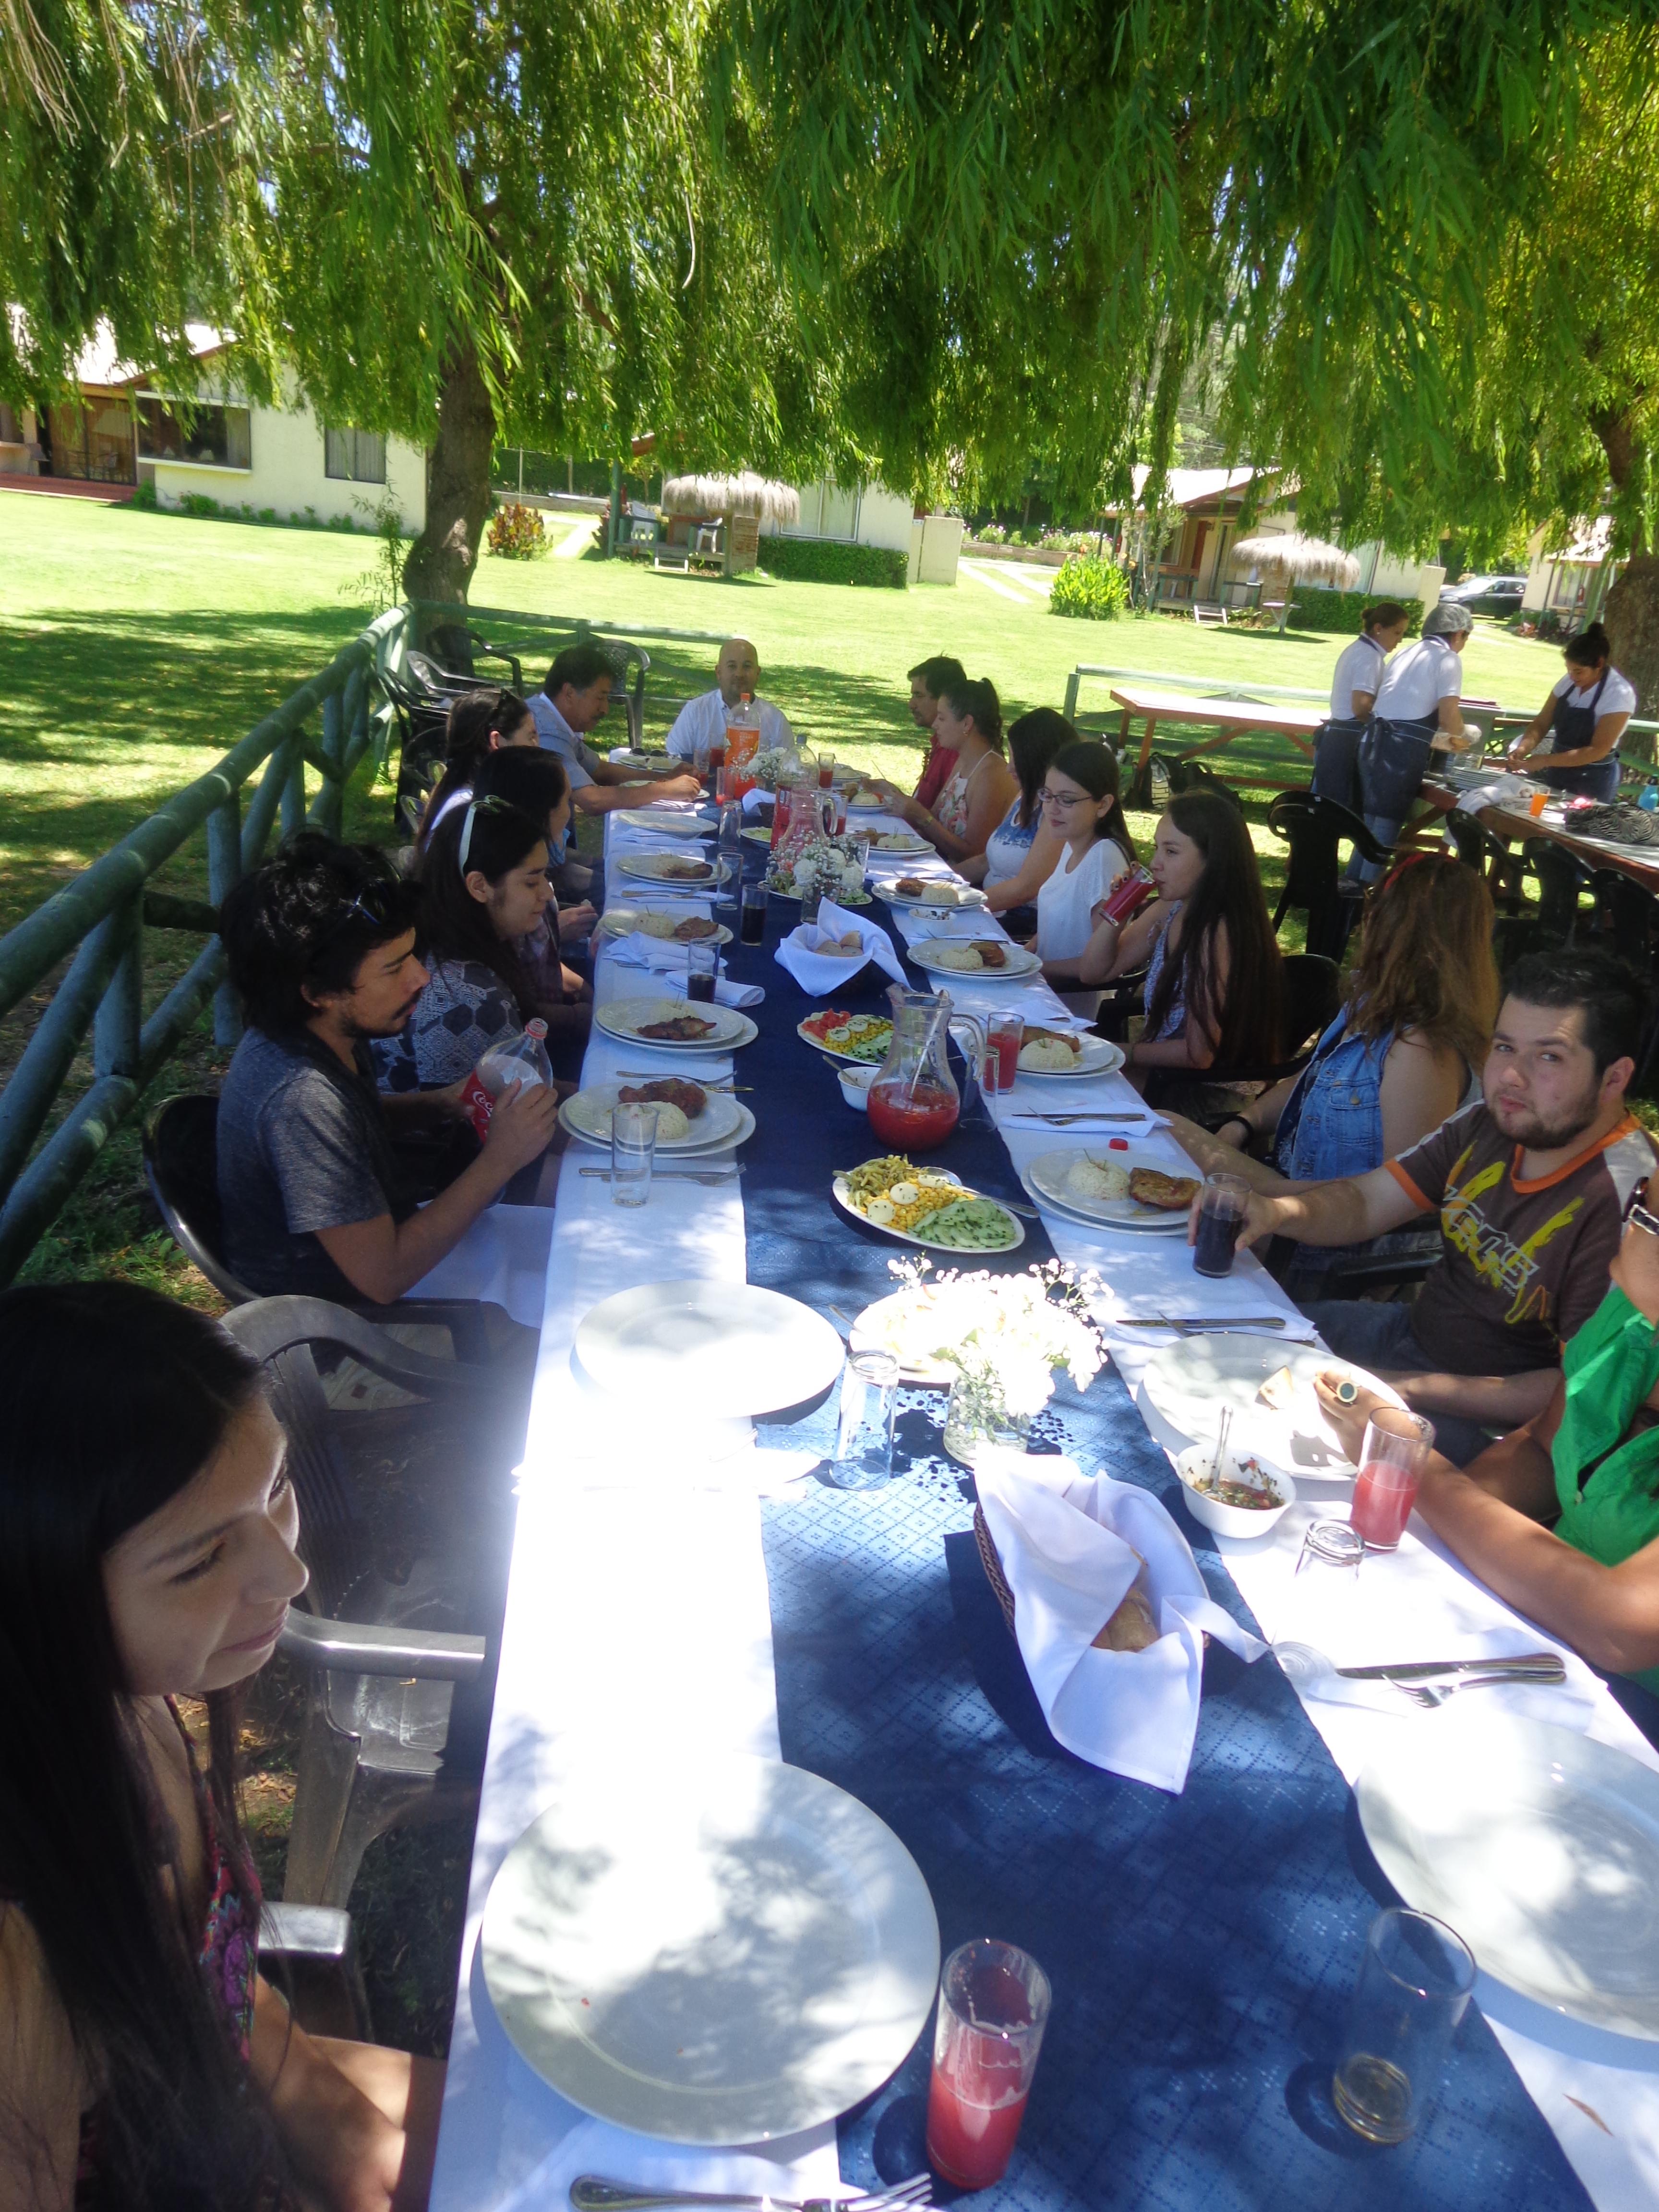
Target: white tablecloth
[(638, 1610)]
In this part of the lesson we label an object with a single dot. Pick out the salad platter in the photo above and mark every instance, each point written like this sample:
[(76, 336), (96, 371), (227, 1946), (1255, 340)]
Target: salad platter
[(928, 1207), (861, 1037)]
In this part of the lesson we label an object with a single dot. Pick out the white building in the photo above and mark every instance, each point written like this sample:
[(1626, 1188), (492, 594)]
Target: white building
[(1571, 582), (870, 515)]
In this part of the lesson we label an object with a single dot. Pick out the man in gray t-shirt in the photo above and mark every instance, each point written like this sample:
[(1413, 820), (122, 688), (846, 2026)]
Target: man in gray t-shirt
[(321, 944)]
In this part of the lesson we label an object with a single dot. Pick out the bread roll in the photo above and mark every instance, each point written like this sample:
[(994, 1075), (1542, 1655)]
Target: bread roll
[(1130, 1628)]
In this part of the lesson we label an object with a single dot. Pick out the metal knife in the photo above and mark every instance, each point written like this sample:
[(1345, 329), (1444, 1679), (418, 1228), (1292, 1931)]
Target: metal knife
[(1532, 1666)]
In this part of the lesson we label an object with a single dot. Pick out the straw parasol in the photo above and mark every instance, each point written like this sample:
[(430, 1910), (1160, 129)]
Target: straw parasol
[(1293, 559), (742, 493)]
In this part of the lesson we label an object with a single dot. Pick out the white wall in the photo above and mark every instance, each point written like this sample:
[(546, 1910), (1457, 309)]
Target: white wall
[(286, 450)]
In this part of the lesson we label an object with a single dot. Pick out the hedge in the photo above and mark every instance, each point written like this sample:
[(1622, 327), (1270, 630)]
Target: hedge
[(1315, 607), (832, 560), (1088, 586)]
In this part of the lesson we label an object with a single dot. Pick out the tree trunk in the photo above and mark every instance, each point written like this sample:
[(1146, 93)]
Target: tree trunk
[(1631, 618), (442, 558)]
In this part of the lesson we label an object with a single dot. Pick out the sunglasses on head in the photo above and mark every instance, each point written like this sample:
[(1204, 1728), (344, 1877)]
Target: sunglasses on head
[(491, 803), (376, 903)]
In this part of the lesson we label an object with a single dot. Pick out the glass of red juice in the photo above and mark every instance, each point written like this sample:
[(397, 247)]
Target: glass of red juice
[(826, 771), (992, 2007), (913, 1117), (1004, 1035), (1391, 1462)]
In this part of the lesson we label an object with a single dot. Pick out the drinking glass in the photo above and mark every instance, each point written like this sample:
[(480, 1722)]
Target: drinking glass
[(633, 1147), (1414, 1983), (811, 901), (726, 792), (700, 760), (864, 1432), (753, 931), (1220, 1218), (1391, 1462), (1331, 1544), (702, 966), (1004, 1035), (826, 771), (993, 2008)]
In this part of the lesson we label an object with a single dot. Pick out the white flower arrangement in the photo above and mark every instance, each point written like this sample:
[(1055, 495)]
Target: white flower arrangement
[(1008, 1335), (825, 864), (773, 762)]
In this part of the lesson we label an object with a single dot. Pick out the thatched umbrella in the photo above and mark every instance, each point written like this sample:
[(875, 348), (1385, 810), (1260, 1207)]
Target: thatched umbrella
[(1285, 557), (743, 502)]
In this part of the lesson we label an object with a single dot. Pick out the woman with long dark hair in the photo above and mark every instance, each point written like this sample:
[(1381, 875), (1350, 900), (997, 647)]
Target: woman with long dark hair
[(982, 787), (483, 890), (536, 784), (147, 1553), (1213, 974), (478, 723), (1575, 732), (1081, 805), (1020, 854)]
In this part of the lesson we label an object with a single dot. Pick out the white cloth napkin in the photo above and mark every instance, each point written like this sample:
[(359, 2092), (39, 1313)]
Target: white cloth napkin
[(753, 800), (1068, 1547), (662, 958), (817, 972), (1506, 790), (628, 837)]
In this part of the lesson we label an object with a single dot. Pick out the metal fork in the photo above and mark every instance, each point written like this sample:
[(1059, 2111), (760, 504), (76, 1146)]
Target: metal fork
[(1065, 1120), (656, 1076), (1430, 1694), (591, 2192)]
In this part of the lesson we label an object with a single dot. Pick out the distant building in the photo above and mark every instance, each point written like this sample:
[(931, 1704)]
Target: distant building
[(870, 515), (129, 426), (1569, 584)]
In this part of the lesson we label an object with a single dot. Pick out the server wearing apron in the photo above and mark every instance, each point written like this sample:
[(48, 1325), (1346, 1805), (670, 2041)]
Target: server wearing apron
[(1414, 714), (1578, 726), (1354, 686)]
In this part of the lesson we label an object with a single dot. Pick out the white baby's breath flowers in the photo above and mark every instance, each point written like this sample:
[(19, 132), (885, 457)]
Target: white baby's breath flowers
[(1020, 1329)]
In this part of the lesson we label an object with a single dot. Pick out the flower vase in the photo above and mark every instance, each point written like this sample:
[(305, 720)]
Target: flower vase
[(979, 1412)]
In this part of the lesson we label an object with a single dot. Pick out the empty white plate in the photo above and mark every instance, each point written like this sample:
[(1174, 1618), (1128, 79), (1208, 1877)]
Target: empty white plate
[(1539, 1847), (723, 1953), (713, 1350)]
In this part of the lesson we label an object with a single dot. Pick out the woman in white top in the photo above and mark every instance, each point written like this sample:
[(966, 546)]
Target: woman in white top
[(1354, 685), (1080, 800), (1414, 714), (1582, 720)]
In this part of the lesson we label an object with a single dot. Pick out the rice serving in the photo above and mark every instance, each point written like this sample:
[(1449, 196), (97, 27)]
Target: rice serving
[(671, 1124), (1046, 1053), (1087, 1178), (963, 956)]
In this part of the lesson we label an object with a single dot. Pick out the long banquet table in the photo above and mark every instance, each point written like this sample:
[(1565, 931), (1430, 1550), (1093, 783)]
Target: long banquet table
[(679, 1588)]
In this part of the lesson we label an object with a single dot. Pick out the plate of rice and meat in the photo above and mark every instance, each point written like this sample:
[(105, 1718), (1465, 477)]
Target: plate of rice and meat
[(690, 1118), (1114, 1190), (1067, 1052)]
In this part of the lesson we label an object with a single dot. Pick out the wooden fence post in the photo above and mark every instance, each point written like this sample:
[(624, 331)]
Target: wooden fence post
[(224, 840), (120, 1016), (293, 789)]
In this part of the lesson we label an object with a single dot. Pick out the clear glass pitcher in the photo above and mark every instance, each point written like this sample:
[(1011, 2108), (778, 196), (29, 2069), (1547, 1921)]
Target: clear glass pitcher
[(914, 1102)]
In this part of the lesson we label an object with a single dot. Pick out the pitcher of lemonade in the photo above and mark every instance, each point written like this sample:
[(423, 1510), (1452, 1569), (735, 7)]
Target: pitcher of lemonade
[(743, 735), (914, 1102)]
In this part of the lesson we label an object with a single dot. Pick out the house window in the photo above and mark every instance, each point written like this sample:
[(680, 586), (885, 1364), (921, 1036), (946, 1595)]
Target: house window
[(357, 456), (169, 430)]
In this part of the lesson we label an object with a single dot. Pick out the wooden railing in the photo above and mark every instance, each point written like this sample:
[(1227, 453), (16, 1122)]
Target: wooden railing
[(101, 917)]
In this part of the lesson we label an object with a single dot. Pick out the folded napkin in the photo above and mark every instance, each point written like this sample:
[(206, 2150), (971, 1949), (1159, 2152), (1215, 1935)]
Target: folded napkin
[(661, 956), (1071, 1548), (753, 800), (970, 921), (817, 972), (1177, 1290), (1504, 791), (626, 838)]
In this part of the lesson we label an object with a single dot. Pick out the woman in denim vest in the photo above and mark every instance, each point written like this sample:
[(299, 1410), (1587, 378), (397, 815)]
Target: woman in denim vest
[(1398, 1059)]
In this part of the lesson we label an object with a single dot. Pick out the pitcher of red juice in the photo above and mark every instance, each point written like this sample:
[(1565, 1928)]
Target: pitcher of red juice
[(914, 1101)]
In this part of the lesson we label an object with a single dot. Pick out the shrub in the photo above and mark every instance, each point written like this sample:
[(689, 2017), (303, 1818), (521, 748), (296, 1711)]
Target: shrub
[(1090, 588), (516, 533), (199, 504), (1314, 607), (990, 533), (833, 561), (144, 497)]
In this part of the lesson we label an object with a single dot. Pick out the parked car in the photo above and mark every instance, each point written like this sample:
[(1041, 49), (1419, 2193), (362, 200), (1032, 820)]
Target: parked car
[(1487, 595)]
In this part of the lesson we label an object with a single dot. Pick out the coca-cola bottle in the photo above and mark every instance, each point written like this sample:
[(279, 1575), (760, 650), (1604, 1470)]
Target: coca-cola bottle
[(514, 1060)]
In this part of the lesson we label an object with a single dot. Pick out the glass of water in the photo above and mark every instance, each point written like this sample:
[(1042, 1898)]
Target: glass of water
[(1413, 1987), (863, 1435), (633, 1147)]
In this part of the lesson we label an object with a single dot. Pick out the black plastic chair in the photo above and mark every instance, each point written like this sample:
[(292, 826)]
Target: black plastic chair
[(402, 1671), (1493, 857), (1314, 828), (1311, 993), (181, 1166)]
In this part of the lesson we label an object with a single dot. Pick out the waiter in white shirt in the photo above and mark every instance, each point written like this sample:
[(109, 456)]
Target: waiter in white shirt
[(1414, 714), (1353, 687), (1582, 720), (702, 721)]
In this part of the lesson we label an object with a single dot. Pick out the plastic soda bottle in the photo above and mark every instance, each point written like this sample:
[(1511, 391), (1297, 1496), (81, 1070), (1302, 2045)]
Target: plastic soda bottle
[(515, 1060)]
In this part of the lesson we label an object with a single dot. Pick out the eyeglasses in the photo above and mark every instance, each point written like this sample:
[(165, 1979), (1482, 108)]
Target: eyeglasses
[(1066, 798), (1636, 1214), (376, 903)]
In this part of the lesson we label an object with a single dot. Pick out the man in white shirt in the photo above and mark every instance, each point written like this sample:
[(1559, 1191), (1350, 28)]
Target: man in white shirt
[(702, 721), (1414, 714), (575, 699)]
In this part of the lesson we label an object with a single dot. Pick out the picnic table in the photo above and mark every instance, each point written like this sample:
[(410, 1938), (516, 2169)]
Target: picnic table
[(1230, 719), (1640, 864), (676, 1595)]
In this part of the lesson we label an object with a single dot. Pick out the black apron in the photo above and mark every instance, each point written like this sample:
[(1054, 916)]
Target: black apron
[(1572, 728), (1336, 751), (1393, 758)]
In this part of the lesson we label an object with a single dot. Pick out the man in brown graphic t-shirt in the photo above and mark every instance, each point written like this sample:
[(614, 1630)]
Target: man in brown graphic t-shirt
[(1531, 1185)]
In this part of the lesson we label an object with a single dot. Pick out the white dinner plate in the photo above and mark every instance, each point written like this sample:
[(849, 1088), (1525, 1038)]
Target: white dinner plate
[(1098, 1056), (1186, 1384), (723, 1951), (1539, 1847), (714, 1351), (898, 841), (870, 1057), (757, 836), (919, 1236), (664, 868), (968, 896), (1018, 962), (1045, 1178), (621, 1018), (617, 921), (894, 1324), (677, 825), (587, 1117)]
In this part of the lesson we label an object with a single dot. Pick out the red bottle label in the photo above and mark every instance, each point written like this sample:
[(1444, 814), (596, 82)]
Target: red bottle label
[(477, 1105)]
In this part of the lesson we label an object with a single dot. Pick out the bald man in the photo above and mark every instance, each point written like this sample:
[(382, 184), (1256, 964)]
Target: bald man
[(703, 720)]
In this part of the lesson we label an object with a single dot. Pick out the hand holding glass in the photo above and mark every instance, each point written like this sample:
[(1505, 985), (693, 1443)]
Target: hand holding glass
[(1391, 1463), (1220, 1218)]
